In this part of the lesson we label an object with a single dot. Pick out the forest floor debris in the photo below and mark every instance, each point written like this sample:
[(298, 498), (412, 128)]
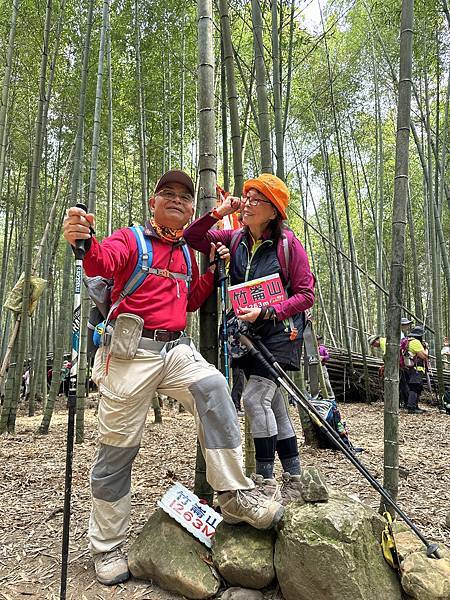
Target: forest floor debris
[(32, 490)]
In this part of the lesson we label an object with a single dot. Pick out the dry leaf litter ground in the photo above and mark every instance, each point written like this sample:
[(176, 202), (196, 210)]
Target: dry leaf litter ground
[(32, 491)]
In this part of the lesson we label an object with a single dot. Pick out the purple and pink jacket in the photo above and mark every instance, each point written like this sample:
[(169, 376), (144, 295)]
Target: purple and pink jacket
[(199, 236)]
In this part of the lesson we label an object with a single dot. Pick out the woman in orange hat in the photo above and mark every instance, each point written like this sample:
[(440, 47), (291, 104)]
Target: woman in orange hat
[(265, 246)]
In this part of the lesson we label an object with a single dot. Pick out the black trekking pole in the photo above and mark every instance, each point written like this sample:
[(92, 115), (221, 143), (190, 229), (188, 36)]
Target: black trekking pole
[(79, 252), (222, 279), (274, 370)]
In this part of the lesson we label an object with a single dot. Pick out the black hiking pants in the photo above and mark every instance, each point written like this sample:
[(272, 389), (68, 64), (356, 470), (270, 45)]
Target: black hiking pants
[(403, 387), (415, 388)]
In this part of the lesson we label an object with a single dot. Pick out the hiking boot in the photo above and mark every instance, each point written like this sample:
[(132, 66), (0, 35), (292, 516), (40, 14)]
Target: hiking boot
[(250, 506), (416, 411), (267, 487), (111, 567), (291, 489)]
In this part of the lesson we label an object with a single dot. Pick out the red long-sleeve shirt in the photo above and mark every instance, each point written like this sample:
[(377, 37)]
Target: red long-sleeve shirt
[(161, 301)]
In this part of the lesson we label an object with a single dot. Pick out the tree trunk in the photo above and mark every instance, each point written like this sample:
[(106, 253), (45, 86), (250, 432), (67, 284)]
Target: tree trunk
[(380, 203), (109, 211), (5, 91), (340, 269), (277, 108), (182, 95), (142, 132), (207, 193), (8, 420), (391, 376), (434, 251), (289, 67), (98, 111), (224, 121), (232, 98), (58, 354), (354, 273), (418, 308), (261, 89), (157, 409)]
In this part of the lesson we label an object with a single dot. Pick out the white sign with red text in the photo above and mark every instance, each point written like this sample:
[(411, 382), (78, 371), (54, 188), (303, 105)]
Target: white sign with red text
[(257, 292), (192, 513)]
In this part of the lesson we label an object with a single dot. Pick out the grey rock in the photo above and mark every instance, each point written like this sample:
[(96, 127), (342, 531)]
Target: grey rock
[(423, 578), (167, 554), (334, 549), (313, 486), (238, 593), (426, 578), (243, 555), (447, 520)]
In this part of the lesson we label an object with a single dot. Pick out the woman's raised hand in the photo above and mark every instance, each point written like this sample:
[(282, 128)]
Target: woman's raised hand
[(230, 205)]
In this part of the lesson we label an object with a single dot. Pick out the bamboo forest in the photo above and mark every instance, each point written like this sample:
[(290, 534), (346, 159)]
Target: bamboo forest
[(225, 299)]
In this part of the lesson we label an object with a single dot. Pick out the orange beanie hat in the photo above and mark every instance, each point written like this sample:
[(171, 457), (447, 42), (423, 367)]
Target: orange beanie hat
[(273, 188)]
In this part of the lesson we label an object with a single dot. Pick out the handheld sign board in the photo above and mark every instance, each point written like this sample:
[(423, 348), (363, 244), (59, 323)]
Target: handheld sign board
[(257, 292)]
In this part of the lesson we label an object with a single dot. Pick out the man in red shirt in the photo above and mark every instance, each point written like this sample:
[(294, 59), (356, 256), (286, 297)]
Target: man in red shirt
[(165, 361)]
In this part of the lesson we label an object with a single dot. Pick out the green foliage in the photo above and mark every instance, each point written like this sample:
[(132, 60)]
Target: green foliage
[(363, 43)]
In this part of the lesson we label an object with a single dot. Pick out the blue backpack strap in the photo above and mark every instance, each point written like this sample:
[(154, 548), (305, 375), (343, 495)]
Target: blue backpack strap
[(141, 270), (144, 267), (144, 262), (188, 259)]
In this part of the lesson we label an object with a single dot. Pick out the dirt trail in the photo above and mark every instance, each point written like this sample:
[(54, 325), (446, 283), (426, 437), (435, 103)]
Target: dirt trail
[(32, 491)]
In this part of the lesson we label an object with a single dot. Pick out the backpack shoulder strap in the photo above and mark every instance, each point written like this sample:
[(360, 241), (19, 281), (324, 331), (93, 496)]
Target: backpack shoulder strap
[(404, 344), (141, 270), (235, 240), (188, 259), (143, 264), (287, 256), (284, 253)]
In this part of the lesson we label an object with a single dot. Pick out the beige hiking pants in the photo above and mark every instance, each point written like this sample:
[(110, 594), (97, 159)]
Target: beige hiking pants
[(127, 388)]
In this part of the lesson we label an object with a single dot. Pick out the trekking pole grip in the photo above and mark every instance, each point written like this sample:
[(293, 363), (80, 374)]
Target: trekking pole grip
[(80, 249), (221, 271)]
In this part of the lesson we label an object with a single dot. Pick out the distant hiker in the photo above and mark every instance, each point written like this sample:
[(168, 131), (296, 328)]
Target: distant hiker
[(405, 327), (65, 377), (445, 353), (265, 246), (148, 351), (25, 388), (377, 341), (49, 378), (324, 358), (416, 362)]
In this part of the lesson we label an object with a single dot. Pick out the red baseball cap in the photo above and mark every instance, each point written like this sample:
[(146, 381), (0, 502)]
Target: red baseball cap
[(176, 176)]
